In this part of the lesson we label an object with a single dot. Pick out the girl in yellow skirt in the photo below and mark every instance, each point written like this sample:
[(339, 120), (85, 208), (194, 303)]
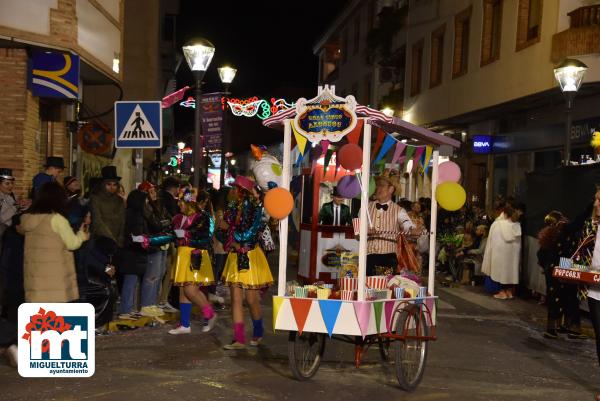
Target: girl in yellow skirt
[(194, 228), (246, 268)]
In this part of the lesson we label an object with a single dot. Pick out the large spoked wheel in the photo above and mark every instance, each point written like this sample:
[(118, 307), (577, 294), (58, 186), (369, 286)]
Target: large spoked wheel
[(385, 352), (305, 352), (411, 353)]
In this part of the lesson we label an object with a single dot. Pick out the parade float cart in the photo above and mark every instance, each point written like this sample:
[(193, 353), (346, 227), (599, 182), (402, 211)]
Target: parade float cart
[(400, 327)]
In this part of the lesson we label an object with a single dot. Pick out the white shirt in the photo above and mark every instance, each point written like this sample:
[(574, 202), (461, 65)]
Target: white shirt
[(594, 291), (403, 219), (336, 214)]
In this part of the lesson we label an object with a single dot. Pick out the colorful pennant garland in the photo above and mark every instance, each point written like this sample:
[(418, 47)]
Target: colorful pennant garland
[(428, 153), (378, 307), (277, 301), (398, 152), (326, 161), (378, 141), (300, 139), (330, 310), (300, 307), (354, 135), (389, 311), (387, 144), (363, 315), (417, 159)]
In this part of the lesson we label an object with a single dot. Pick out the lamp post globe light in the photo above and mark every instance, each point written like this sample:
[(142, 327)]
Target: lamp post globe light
[(198, 54), (227, 74), (569, 75)]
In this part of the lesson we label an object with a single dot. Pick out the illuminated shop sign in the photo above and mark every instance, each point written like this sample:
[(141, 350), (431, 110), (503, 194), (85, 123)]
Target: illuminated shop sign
[(482, 144)]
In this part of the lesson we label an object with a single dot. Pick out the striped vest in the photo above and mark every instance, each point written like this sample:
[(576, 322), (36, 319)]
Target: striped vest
[(383, 234)]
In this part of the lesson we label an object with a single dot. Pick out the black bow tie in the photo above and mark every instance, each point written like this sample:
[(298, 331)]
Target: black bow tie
[(383, 206)]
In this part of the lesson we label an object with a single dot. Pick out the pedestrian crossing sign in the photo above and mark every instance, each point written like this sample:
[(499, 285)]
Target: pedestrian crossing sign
[(138, 124)]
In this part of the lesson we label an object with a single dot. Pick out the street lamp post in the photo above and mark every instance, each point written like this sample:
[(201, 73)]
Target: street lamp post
[(569, 75), (198, 54), (227, 74)]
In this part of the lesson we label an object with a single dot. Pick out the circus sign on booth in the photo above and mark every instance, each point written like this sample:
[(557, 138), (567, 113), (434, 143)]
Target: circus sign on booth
[(326, 117)]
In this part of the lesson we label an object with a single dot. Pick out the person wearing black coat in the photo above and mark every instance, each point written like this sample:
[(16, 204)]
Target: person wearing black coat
[(138, 261)]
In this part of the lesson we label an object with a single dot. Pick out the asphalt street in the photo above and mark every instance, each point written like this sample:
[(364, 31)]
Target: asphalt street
[(487, 349)]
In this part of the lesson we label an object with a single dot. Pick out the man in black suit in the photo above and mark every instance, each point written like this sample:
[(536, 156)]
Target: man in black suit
[(335, 212)]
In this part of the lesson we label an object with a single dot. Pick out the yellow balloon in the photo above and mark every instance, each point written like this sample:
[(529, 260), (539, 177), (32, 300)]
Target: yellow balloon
[(450, 196)]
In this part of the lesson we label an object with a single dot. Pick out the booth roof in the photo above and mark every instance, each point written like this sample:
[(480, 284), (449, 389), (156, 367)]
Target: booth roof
[(378, 119)]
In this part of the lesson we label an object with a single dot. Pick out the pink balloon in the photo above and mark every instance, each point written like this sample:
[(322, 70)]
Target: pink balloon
[(448, 172)]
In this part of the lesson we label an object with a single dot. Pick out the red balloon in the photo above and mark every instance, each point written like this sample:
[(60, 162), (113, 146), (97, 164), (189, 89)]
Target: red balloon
[(350, 156)]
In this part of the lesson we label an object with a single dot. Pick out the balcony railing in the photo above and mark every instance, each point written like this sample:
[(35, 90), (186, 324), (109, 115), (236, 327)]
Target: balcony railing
[(585, 16)]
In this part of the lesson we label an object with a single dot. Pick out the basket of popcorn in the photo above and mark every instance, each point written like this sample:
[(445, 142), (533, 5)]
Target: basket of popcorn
[(349, 284), (323, 293)]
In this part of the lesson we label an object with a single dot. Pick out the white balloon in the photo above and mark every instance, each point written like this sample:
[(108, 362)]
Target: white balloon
[(265, 170)]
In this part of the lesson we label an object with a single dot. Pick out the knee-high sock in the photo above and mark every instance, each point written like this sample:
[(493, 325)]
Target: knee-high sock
[(185, 312), (239, 334), (257, 328), (208, 312)]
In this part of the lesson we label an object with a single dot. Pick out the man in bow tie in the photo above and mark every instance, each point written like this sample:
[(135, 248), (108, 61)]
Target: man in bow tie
[(388, 220), (335, 212)]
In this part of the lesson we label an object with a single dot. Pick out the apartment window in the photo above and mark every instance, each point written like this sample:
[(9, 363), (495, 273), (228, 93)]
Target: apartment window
[(345, 46), (462, 24), (356, 35), (437, 56), (416, 68), (492, 31), (529, 23)]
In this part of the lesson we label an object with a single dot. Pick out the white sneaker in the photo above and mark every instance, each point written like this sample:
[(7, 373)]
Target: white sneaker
[(180, 330), (210, 324), (215, 298), (167, 307), (151, 311), (12, 354)]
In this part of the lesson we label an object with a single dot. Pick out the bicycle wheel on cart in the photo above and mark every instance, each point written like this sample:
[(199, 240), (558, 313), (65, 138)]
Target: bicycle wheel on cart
[(305, 352), (411, 352)]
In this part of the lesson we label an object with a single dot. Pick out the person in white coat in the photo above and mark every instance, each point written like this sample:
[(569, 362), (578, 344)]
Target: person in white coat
[(501, 259)]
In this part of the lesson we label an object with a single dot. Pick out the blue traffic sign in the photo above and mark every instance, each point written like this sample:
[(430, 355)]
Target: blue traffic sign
[(138, 124)]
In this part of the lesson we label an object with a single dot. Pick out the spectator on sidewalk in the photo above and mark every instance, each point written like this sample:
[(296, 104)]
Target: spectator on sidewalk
[(168, 197), (501, 259), (52, 169), (49, 269)]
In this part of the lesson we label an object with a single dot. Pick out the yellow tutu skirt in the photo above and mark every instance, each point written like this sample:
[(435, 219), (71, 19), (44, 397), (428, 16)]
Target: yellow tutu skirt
[(184, 275), (256, 277)]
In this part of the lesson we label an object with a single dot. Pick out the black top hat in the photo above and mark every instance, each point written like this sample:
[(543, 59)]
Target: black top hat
[(336, 193), (109, 173), (53, 161), (6, 174)]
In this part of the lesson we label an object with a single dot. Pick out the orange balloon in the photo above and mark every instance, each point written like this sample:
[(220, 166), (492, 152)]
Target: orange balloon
[(279, 203)]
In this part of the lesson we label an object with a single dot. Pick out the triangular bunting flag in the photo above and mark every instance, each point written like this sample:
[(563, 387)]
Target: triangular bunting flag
[(388, 142), (277, 301), (337, 166), (354, 135), (330, 310), (410, 151), (324, 146), (418, 152), (398, 152), (300, 140), (363, 314), (378, 142), (378, 307), (293, 142), (428, 152), (300, 307), (326, 161), (389, 311)]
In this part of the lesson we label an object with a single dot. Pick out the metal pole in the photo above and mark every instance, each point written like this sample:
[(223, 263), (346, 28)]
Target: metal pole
[(433, 229), (569, 97), (197, 141), (224, 139), (283, 223), (364, 211)]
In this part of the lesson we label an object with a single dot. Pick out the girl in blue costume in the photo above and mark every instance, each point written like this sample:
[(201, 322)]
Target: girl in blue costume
[(194, 229), (246, 268)]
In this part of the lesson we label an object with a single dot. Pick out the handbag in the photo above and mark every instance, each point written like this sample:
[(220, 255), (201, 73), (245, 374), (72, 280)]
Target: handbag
[(406, 255)]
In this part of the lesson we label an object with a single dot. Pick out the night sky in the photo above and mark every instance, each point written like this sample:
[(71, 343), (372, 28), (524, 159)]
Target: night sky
[(269, 42)]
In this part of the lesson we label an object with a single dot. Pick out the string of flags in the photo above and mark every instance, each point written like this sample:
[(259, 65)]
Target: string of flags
[(385, 145)]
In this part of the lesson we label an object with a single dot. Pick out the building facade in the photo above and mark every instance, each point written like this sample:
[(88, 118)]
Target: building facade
[(34, 127)]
